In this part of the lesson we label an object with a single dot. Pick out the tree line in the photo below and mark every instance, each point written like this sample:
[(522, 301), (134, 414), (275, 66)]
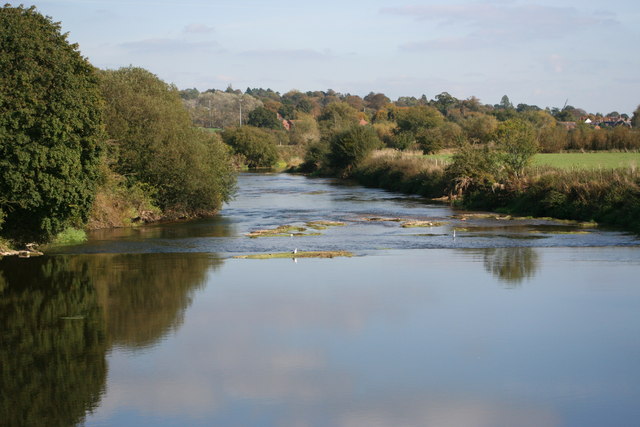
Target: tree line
[(310, 121)]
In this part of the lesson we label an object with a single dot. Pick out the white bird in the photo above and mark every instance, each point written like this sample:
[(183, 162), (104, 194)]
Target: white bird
[(295, 251)]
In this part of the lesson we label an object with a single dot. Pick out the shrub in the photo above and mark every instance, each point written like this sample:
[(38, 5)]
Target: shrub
[(351, 146), (257, 146), (516, 140)]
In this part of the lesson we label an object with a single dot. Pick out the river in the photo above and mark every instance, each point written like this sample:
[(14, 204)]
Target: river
[(475, 320)]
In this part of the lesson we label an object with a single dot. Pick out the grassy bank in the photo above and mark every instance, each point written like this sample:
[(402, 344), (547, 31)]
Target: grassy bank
[(573, 161), (607, 196)]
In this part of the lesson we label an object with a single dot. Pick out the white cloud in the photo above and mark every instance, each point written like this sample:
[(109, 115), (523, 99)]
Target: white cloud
[(196, 28), (289, 54), (170, 46), (479, 25)]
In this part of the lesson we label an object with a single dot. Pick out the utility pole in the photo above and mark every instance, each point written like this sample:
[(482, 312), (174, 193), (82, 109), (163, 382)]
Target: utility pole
[(210, 115), (240, 103)]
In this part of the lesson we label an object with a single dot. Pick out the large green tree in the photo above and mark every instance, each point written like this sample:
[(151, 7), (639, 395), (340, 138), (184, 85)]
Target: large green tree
[(50, 127), (154, 143)]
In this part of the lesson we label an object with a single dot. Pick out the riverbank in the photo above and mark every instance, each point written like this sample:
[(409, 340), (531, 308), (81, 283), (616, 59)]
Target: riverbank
[(609, 197)]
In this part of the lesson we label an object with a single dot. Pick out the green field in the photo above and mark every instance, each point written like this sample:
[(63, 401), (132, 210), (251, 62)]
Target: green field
[(604, 160), (600, 160)]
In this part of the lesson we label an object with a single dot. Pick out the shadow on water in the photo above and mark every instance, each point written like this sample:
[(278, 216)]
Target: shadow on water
[(60, 315)]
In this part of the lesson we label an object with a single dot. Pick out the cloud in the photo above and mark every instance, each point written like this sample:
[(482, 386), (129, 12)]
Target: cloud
[(291, 54), (171, 46), (196, 28), (490, 24)]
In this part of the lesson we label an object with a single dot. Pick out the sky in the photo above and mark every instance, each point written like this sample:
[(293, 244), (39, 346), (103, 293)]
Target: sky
[(540, 52)]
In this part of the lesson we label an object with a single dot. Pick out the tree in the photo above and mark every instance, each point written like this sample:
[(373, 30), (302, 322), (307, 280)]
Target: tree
[(50, 127), (505, 103), (351, 146), (635, 119), (517, 142), (479, 127), (376, 101), (305, 130), (336, 117), (434, 139), (415, 119), (188, 169), (257, 146), (262, 118), (444, 101)]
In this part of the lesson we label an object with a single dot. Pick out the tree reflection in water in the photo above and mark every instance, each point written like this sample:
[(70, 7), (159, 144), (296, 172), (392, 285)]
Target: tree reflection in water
[(511, 265), (60, 315), (52, 343)]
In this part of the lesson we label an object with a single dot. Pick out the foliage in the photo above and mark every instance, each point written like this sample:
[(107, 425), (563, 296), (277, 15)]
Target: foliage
[(316, 156), (402, 171), (479, 127), (517, 143), (188, 170), (635, 119), (336, 117), (376, 101), (304, 130), (351, 146), (217, 109), (443, 102), (401, 140), (262, 118), (257, 146), (415, 119), (50, 127), (473, 167), (69, 236), (446, 136)]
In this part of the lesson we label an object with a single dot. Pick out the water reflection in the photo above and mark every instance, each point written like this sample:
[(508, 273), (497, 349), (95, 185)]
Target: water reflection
[(52, 343), (144, 296), (59, 316), (511, 265)]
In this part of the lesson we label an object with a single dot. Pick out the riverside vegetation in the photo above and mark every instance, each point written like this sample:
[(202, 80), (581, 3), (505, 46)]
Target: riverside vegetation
[(81, 147), (87, 148)]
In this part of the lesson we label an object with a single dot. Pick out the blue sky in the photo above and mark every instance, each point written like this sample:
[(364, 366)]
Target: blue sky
[(536, 52)]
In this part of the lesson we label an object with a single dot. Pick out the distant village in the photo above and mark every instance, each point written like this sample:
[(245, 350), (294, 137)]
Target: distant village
[(599, 122)]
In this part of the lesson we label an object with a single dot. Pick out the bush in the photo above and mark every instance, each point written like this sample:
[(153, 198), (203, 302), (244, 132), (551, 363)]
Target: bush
[(69, 236), (257, 146), (473, 167), (351, 146), (316, 156), (50, 127), (517, 143)]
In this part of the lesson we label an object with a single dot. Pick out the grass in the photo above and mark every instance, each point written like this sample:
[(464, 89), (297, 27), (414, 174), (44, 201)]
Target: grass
[(302, 254), (69, 236), (599, 160), (5, 246), (585, 161)]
